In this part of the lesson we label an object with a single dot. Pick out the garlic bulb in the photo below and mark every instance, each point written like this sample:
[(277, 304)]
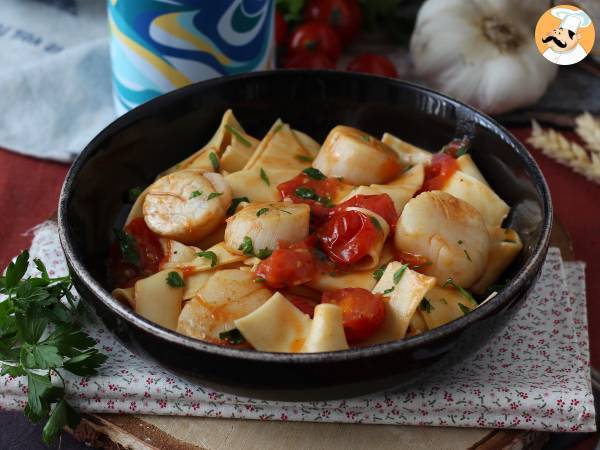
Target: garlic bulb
[(482, 52)]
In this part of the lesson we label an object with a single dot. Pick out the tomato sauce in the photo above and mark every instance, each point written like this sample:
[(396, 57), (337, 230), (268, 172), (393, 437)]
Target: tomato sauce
[(440, 170)]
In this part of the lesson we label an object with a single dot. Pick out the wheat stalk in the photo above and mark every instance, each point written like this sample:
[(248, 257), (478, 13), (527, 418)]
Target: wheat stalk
[(554, 145), (588, 129)]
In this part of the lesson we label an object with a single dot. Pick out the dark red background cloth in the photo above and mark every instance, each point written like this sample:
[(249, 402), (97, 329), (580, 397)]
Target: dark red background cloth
[(29, 190)]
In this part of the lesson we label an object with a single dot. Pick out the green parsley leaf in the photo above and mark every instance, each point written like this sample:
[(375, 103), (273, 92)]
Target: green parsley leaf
[(464, 309), (315, 174), (466, 294), (426, 305), (264, 177), (407, 168), (259, 280), (245, 142), (467, 255), (128, 247), (246, 246), (209, 255), (195, 194), (40, 356), (375, 222), (85, 363), (175, 280), (264, 253), (16, 269), (419, 266), (398, 274), (306, 193), (366, 137), (277, 128), (235, 202), (304, 158), (214, 160), (233, 336), (387, 291), (134, 193), (214, 195), (62, 415), (261, 211), (378, 273)]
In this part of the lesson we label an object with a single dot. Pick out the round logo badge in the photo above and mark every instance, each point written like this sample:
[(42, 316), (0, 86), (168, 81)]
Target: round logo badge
[(565, 35)]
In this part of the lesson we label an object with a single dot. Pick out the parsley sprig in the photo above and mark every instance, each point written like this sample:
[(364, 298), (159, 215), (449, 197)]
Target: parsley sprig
[(40, 336)]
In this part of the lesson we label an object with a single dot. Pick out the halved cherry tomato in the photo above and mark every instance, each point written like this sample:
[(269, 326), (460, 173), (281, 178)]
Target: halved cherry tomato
[(149, 252), (439, 171), (414, 261), (281, 29), (362, 311), (457, 147), (347, 237), (344, 16), (308, 60), (324, 191), (314, 36), (375, 64), (288, 267), (380, 204), (306, 305)]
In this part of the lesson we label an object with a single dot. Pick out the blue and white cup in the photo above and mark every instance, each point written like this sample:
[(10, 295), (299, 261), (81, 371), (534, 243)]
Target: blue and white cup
[(161, 45)]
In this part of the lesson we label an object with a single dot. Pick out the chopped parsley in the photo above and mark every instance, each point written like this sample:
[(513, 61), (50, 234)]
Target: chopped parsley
[(283, 210), (426, 305), (366, 137), (466, 294), (259, 280), (233, 336), (246, 246), (460, 242), (304, 158), (209, 255), (214, 195), (264, 253), (467, 255), (313, 173), (407, 168), (419, 266), (277, 128), (464, 309), (214, 160), (375, 222), (444, 301), (128, 247), (245, 142), (264, 177), (195, 194), (398, 274), (175, 280), (134, 193), (310, 194), (387, 291), (261, 211), (235, 203), (378, 273), (510, 241)]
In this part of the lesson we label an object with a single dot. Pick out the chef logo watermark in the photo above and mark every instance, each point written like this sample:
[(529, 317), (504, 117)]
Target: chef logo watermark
[(565, 35)]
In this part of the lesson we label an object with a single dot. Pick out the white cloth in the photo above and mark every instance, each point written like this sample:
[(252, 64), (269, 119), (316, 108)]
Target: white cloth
[(55, 78), (566, 58)]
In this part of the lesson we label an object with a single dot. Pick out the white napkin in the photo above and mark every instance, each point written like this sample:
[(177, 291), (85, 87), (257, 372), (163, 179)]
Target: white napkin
[(55, 78), (533, 375)]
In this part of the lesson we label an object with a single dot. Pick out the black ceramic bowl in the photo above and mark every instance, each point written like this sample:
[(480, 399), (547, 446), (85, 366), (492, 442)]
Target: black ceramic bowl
[(136, 147)]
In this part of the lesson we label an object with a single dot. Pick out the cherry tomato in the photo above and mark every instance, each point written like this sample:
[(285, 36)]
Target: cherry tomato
[(439, 171), (347, 237), (380, 204), (316, 36), (308, 60), (362, 311), (457, 147), (148, 249), (344, 16), (288, 267), (375, 64), (323, 190), (306, 305), (281, 29), (414, 261)]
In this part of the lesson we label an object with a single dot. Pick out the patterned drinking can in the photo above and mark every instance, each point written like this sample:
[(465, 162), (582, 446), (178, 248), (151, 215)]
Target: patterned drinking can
[(161, 45)]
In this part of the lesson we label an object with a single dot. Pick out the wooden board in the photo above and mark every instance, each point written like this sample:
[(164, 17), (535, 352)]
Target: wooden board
[(198, 433)]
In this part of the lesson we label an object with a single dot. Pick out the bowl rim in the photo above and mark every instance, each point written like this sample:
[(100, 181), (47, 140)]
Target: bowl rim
[(518, 283)]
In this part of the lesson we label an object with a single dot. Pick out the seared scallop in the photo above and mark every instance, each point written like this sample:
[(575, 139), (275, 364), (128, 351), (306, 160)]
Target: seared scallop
[(357, 157), (449, 232), (263, 225), (186, 205)]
